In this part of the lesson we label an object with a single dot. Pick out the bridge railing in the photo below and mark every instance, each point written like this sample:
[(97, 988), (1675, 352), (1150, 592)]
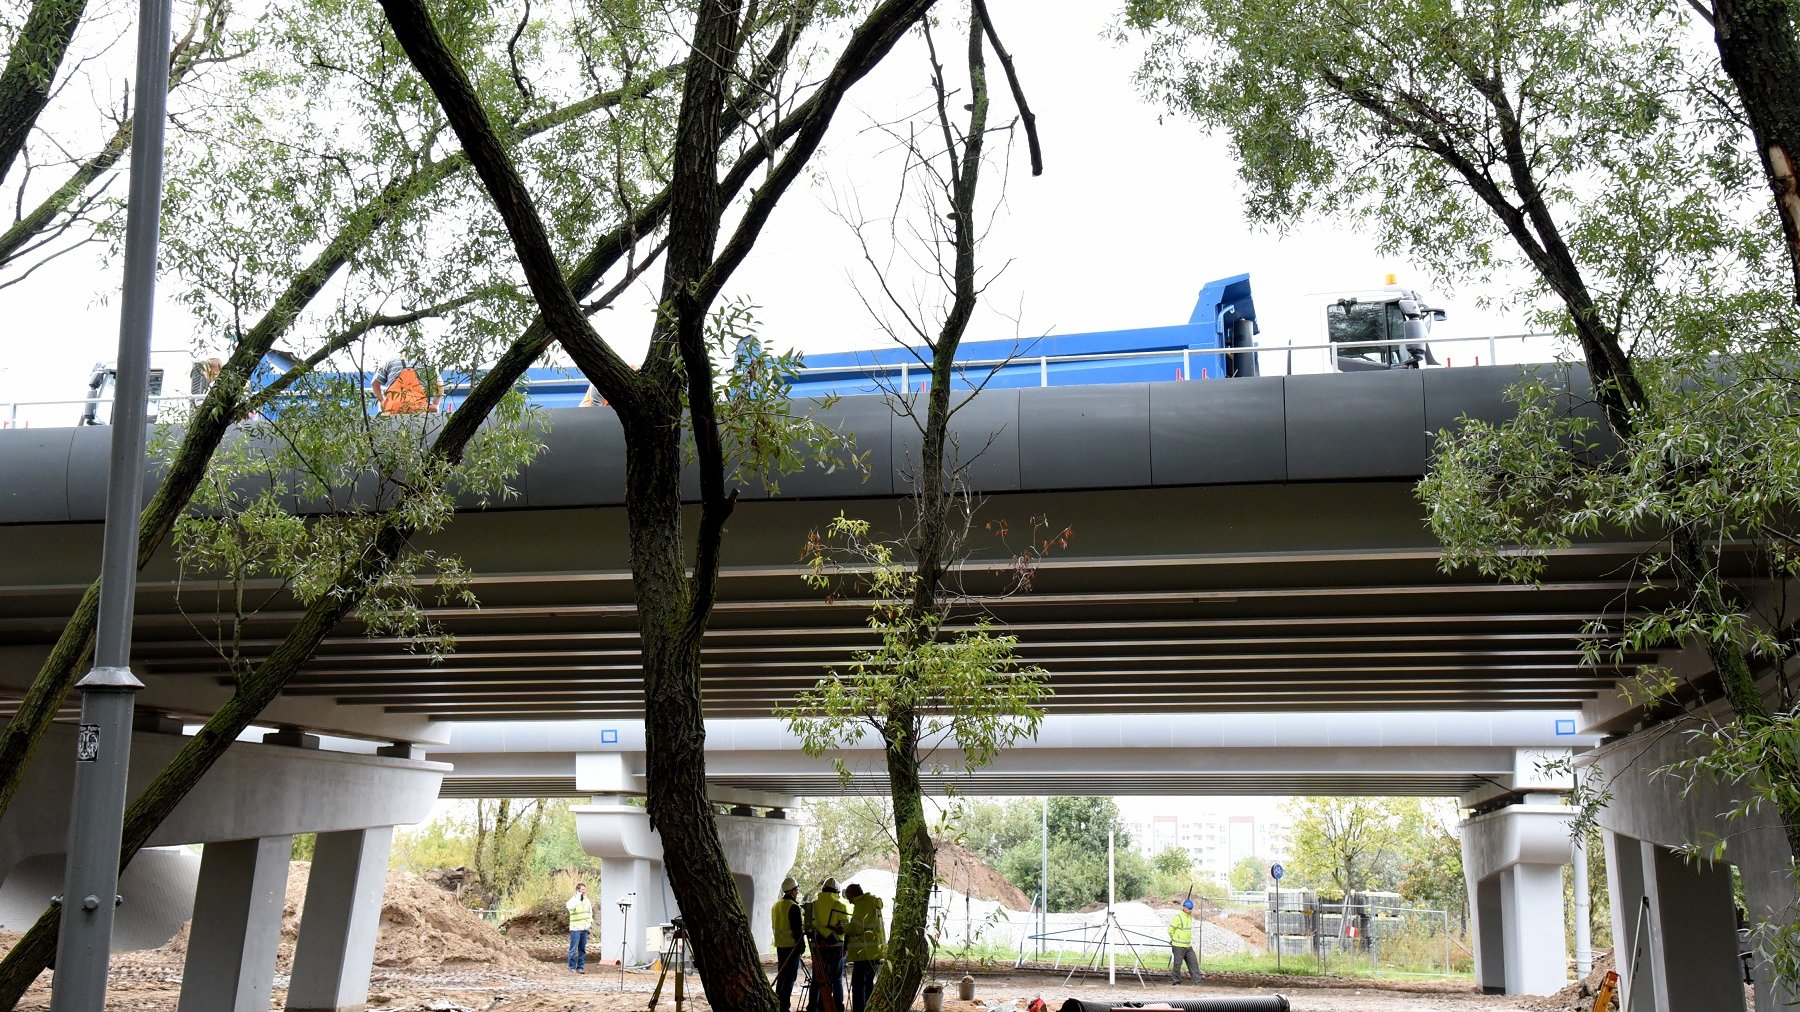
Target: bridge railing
[(1517, 349), (1489, 349)]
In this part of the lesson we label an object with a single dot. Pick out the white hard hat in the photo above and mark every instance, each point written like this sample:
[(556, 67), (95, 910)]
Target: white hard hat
[(829, 886), (788, 884)]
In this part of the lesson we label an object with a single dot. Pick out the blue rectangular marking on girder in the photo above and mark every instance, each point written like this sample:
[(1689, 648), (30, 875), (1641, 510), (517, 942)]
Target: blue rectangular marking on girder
[(609, 736), (1565, 726)]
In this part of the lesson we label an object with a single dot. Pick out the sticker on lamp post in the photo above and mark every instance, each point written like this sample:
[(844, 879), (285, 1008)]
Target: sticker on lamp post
[(87, 743)]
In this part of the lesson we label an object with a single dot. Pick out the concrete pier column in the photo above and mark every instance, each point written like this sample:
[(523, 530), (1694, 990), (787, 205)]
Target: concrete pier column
[(1696, 920), (1627, 881), (1512, 863), (1489, 929), (237, 925), (338, 927), (758, 849)]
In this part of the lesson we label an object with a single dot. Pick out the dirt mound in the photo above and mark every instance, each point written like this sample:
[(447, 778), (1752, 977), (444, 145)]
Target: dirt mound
[(960, 869), (1245, 925), (422, 926)]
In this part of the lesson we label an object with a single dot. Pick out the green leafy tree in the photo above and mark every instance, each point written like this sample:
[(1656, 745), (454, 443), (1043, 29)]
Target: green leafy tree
[(926, 688), (674, 406), (360, 562), (1588, 145), (842, 836), (1249, 874), (1343, 844), (1430, 857)]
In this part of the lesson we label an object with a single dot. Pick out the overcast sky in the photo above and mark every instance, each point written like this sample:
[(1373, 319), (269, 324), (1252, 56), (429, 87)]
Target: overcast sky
[(1131, 217)]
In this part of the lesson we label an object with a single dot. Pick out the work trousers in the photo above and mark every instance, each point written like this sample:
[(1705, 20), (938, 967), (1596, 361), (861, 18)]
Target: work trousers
[(828, 978), (1179, 955), (862, 982), (787, 967), (578, 949)]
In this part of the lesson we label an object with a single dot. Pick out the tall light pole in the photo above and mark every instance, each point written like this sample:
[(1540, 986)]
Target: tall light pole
[(103, 741)]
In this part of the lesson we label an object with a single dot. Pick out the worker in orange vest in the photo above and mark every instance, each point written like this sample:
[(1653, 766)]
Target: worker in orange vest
[(406, 387)]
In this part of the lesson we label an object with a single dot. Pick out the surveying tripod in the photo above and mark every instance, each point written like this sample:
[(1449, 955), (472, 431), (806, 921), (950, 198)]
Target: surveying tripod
[(678, 956)]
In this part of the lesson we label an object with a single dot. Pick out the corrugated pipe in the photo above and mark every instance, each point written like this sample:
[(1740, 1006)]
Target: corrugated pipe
[(1248, 1003)]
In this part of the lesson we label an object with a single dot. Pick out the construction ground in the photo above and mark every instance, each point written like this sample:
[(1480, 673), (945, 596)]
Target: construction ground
[(434, 955)]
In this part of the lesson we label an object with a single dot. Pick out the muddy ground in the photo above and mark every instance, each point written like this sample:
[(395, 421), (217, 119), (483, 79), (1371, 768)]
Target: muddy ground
[(142, 986), (433, 955)]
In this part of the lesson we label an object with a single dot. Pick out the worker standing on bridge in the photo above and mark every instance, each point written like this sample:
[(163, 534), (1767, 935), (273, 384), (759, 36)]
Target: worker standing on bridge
[(406, 387), (790, 942), (1181, 944), (865, 944), (581, 920), (830, 922)]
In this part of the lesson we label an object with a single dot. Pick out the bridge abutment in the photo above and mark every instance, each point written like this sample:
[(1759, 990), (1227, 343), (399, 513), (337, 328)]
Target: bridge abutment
[(1687, 909), (1679, 950)]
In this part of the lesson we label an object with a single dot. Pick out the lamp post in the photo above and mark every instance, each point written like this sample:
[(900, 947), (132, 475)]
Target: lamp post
[(109, 690)]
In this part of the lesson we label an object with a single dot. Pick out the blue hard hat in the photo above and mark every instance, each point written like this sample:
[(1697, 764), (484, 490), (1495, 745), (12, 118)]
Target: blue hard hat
[(1187, 904)]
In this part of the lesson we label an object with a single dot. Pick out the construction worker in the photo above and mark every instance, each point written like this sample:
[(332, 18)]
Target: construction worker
[(865, 944), (790, 942), (581, 920), (1181, 944), (830, 922), (406, 387)]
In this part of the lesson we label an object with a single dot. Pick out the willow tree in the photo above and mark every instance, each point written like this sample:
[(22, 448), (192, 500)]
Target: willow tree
[(1591, 148), (936, 685), (1759, 48), (675, 393), (309, 246), (59, 193), (317, 439)]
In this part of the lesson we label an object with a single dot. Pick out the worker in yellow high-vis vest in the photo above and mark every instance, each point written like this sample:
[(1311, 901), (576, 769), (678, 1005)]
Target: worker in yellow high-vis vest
[(1181, 944), (790, 942), (581, 921), (830, 923)]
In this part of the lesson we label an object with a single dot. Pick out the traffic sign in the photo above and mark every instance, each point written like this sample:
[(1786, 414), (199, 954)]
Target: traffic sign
[(1276, 871)]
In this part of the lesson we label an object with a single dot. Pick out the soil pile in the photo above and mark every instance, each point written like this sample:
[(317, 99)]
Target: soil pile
[(963, 870), (1245, 925), (422, 926)]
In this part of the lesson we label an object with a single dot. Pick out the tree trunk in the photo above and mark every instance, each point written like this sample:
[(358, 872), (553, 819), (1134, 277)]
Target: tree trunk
[(226, 400), (1760, 52), (37, 54), (674, 722), (255, 691), (258, 688), (909, 951)]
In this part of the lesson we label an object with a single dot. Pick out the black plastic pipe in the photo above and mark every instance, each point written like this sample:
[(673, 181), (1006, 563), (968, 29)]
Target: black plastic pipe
[(1244, 1003)]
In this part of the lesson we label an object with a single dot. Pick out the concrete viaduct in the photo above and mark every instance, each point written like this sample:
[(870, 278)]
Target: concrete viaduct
[(1246, 552)]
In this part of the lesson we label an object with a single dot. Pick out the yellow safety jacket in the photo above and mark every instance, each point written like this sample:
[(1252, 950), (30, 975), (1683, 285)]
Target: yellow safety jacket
[(867, 934), (581, 913), (780, 917), (831, 917), (1181, 930)]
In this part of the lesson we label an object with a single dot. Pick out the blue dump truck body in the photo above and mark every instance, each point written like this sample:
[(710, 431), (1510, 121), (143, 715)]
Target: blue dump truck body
[(1224, 317)]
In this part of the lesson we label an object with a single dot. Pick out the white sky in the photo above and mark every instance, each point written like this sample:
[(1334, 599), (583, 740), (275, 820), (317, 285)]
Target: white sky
[(1131, 217)]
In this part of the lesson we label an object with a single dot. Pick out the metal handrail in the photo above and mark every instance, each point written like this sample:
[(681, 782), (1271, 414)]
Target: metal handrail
[(1043, 362), (1185, 354)]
